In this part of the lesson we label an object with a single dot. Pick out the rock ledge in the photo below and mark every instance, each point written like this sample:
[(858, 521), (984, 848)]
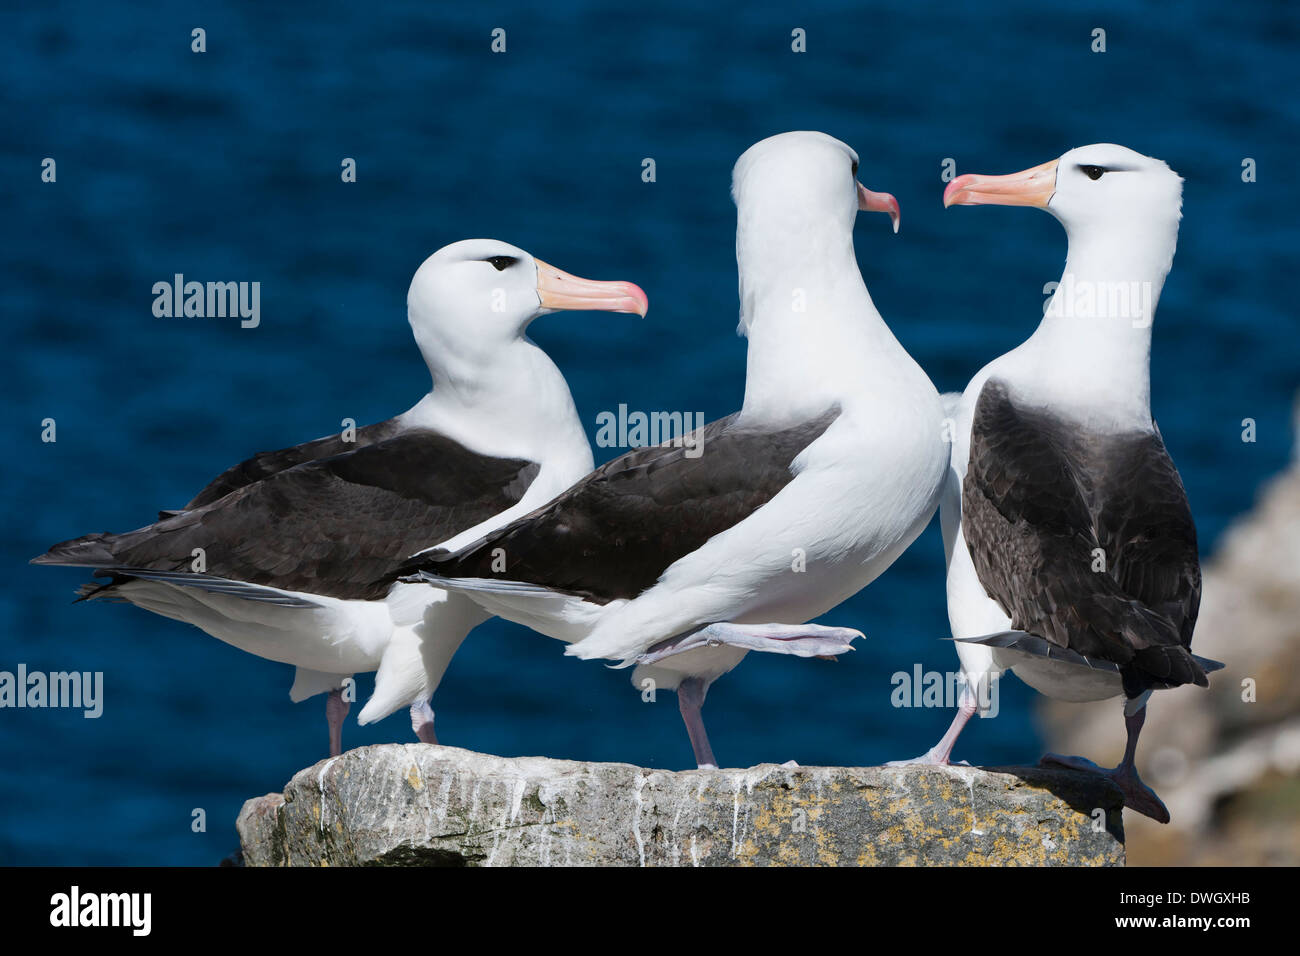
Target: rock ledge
[(415, 804)]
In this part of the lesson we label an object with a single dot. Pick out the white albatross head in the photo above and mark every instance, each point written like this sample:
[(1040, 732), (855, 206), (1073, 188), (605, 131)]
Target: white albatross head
[(805, 177), (479, 295), (1099, 186)]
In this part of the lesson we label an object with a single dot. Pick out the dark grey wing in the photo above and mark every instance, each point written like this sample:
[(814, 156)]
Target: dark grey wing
[(267, 463), (615, 532), (1073, 535), (1151, 538), (331, 527)]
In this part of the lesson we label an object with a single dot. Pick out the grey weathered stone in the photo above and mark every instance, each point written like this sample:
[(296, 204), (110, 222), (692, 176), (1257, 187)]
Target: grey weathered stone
[(410, 804)]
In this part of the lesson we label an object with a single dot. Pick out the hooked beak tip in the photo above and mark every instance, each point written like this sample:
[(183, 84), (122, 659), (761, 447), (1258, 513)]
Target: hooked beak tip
[(955, 187), (639, 301), (869, 201)]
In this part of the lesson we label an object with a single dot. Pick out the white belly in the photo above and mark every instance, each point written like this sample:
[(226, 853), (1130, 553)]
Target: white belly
[(1060, 680), (340, 638)]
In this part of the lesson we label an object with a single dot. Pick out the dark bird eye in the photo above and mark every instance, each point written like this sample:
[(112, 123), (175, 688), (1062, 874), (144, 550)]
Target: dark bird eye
[(501, 263), (1093, 172)]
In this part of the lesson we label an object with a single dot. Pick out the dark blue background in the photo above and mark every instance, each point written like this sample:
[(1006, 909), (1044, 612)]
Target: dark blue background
[(225, 166)]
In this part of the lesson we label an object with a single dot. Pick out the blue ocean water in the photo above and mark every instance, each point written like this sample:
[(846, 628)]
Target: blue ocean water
[(225, 165)]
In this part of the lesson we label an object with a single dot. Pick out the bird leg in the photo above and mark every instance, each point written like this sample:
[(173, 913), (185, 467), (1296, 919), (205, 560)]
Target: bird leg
[(939, 755), (336, 709), (690, 699), (1137, 795), (800, 640), (422, 722)]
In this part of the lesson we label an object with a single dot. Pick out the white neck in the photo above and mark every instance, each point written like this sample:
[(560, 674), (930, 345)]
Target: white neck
[(1090, 357), (815, 337), (508, 400)]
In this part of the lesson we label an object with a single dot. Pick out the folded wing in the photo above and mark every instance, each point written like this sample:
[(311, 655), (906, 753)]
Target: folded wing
[(1085, 540), (615, 532), (333, 526)]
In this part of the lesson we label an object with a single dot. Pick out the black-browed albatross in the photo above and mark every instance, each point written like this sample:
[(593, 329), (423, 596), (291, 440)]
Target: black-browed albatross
[(293, 540), (1071, 547), (828, 472)]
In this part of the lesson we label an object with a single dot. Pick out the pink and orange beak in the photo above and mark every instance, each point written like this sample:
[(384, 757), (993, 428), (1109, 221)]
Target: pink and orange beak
[(879, 202), (1033, 187), (558, 290)]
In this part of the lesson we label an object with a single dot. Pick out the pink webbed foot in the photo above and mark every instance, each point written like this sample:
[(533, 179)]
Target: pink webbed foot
[(940, 755), (1137, 795), (931, 758), (422, 722), (799, 640)]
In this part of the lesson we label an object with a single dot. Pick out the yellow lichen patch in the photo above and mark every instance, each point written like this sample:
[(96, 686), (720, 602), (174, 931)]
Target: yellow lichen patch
[(1000, 849), (872, 797), (786, 819), (787, 854), (826, 856), (413, 778)]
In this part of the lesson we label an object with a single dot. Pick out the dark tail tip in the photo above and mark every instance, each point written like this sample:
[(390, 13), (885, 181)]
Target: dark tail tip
[(89, 551), (1172, 665)]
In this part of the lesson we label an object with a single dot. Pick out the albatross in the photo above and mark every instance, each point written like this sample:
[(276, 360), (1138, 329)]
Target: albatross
[(289, 543), (681, 564), (1070, 543)]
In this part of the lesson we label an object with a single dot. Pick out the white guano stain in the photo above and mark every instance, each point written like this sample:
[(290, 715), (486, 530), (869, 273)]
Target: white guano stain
[(636, 817), (320, 788)]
